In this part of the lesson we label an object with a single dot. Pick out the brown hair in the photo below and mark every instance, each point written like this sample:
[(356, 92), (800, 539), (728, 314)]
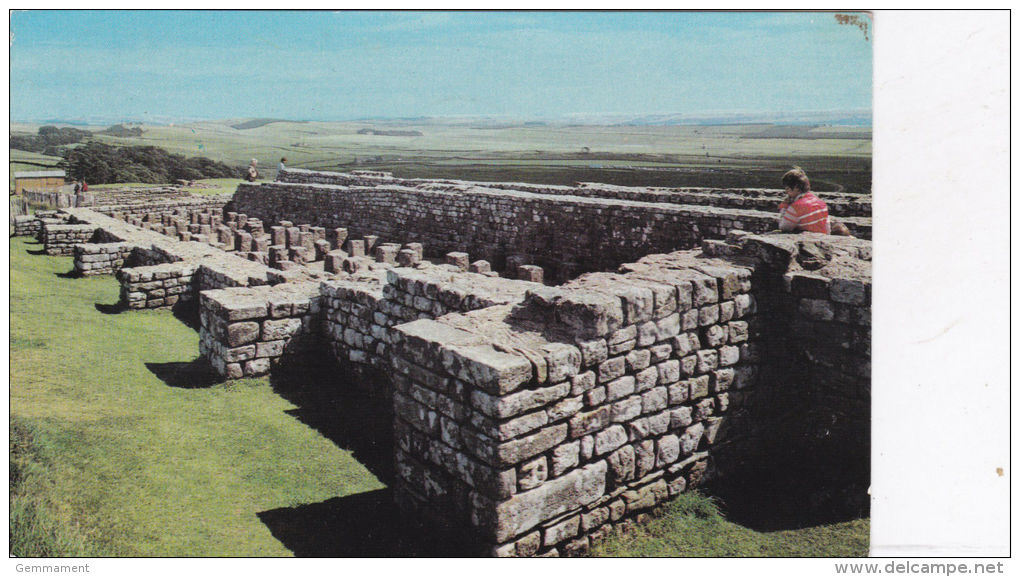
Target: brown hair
[(797, 179)]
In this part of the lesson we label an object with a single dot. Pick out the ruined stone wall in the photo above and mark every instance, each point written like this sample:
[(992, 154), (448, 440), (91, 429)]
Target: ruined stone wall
[(104, 258), (360, 313), (766, 200), (61, 238), (156, 286), (26, 225), (246, 331), (155, 209), (537, 416), (542, 425), (818, 332), (563, 235)]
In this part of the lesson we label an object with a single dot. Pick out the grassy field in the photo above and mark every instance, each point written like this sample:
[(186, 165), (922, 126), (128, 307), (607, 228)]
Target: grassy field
[(116, 460), (745, 155), (692, 526)]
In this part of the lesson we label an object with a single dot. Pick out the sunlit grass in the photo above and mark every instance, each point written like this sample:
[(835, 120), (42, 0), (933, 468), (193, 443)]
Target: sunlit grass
[(129, 465), (692, 526)]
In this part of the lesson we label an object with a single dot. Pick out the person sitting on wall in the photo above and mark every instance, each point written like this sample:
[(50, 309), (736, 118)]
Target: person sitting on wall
[(283, 164), (802, 211), (77, 187), (84, 186), (253, 171)]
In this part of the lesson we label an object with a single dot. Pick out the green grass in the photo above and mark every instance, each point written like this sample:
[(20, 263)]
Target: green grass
[(121, 463), (692, 526), (731, 155)]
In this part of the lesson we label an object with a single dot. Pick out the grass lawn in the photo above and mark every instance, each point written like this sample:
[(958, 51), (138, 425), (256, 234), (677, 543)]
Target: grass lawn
[(112, 460), (692, 526)]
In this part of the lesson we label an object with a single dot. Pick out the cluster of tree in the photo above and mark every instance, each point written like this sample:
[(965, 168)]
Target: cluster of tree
[(123, 131), (101, 163), (389, 132), (50, 139)]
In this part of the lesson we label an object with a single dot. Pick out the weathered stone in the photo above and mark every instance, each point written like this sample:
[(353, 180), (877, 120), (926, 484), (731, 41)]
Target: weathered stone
[(610, 439), (621, 464), (564, 457), (526, 510), (515, 451), (242, 333), (532, 474), (280, 329), (668, 450)]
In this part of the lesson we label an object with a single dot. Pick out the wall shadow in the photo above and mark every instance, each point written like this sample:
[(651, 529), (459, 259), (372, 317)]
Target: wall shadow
[(114, 309), (363, 525), (196, 374), (327, 401)]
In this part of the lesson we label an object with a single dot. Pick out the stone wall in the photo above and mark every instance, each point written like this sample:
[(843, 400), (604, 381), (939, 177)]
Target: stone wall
[(102, 258), (766, 200), (360, 312), (26, 225), (563, 235), (538, 416), (61, 238), (156, 286), (542, 425), (818, 335), (245, 332)]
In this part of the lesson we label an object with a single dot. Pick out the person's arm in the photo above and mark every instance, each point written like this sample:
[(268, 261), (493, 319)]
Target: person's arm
[(788, 219)]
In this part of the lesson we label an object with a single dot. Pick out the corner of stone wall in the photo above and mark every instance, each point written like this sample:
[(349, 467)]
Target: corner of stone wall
[(546, 422), (245, 331)]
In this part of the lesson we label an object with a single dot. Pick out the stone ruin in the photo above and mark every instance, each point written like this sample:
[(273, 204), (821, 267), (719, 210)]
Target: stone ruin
[(559, 360)]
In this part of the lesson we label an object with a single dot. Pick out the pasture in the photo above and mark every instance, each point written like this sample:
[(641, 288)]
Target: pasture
[(738, 155)]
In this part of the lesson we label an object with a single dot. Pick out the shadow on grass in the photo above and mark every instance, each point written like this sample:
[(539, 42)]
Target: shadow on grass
[(114, 309), (767, 505), (69, 274), (196, 374), (363, 525), (37, 252), (328, 402)]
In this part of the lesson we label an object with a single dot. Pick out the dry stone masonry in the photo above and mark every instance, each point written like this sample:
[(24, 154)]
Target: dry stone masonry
[(560, 360)]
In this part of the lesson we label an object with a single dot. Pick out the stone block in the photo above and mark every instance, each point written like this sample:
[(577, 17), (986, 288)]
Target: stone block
[(460, 260), (242, 333), (532, 474), (480, 266), (526, 510), (610, 439), (408, 257), (621, 464), (561, 531), (816, 309), (530, 273), (564, 457), (280, 329), (355, 247)]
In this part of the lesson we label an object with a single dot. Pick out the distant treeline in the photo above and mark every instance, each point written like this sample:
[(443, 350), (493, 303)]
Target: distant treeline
[(101, 163), (123, 131), (389, 132), (49, 140)]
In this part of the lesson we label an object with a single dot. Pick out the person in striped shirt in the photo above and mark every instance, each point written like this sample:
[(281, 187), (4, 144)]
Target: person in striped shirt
[(802, 211)]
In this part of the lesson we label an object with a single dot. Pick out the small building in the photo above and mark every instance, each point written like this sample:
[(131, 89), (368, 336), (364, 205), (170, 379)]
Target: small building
[(39, 180)]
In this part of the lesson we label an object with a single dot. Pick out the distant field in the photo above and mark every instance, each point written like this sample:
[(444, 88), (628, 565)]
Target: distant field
[(838, 158)]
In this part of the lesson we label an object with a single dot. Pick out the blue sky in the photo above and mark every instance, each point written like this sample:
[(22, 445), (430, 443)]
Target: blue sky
[(150, 65)]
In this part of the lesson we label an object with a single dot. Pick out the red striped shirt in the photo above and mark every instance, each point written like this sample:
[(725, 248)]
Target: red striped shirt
[(807, 213)]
